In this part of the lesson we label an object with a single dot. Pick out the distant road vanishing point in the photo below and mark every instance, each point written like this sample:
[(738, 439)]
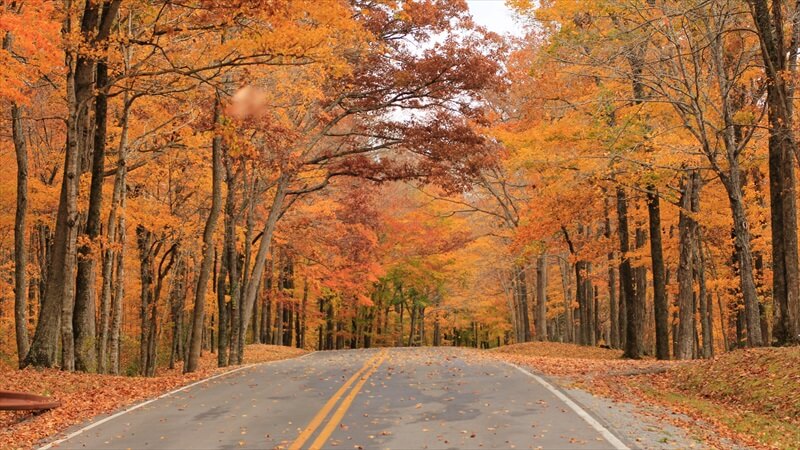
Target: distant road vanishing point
[(433, 398)]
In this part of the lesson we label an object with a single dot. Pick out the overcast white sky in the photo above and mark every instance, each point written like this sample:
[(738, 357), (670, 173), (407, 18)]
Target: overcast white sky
[(494, 15)]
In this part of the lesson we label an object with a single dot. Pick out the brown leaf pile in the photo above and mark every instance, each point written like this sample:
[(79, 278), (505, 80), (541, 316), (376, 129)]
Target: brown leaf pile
[(84, 396), (758, 390), (258, 353), (557, 349), (569, 360), (767, 380)]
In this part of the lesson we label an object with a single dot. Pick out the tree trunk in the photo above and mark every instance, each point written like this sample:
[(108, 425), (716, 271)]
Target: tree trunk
[(745, 258), (541, 298), (591, 295), (297, 328), (422, 338), (85, 294), (566, 283), (780, 67), (706, 309), (58, 304), (622, 310), (522, 295), (722, 323), (233, 329), (266, 307), (62, 281), (287, 296), (277, 335), (400, 328), (112, 236), (109, 256), (413, 323), (161, 273), (228, 280), (581, 270), (198, 316), (235, 316), (733, 181), (633, 311), (301, 333), (248, 253), (660, 303), (785, 283), (144, 239), (261, 257), (513, 305), (44, 238), (20, 227), (119, 292), (585, 289), (177, 298), (686, 314), (42, 352), (613, 301), (288, 323), (640, 278), (79, 97), (329, 331), (321, 326), (700, 273), (222, 307)]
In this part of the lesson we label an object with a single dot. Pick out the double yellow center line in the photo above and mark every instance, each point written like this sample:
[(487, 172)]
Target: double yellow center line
[(359, 378)]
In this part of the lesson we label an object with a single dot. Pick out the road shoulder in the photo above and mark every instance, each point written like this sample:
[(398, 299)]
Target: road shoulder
[(87, 398), (597, 381)]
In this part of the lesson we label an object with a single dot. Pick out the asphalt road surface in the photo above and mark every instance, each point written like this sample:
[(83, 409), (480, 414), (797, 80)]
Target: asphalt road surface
[(379, 398)]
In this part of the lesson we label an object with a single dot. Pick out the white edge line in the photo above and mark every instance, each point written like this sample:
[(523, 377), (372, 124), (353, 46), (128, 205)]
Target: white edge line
[(147, 402), (608, 435)]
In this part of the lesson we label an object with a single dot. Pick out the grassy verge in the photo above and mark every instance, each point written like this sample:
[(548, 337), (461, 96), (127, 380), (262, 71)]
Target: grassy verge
[(756, 429), (753, 394), (84, 396)]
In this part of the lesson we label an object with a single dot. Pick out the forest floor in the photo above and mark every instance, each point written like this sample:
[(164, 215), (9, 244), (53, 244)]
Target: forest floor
[(84, 396), (745, 398)]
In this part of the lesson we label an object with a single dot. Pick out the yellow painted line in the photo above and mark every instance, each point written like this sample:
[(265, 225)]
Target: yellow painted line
[(336, 419), (317, 420)]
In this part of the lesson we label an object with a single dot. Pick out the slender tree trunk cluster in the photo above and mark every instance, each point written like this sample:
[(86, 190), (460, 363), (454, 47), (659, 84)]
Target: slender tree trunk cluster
[(692, 62), (617, 316), (780, 63), (521, 312), (67, 313)]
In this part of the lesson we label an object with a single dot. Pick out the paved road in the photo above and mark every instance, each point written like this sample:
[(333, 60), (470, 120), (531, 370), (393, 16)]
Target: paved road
[(393, 398)]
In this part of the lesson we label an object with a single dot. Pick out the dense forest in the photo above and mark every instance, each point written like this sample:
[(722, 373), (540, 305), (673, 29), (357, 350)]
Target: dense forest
[(190, 177)]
